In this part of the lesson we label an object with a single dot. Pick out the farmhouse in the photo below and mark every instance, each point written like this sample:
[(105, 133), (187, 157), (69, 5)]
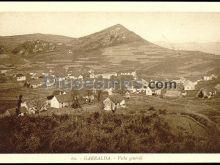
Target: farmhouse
[(49, 98), (36, 83), (109, 91), (158, 92), (108, 104), (132, 89), (148, 92), (127, 95), (189, 85), (217, 87), (211, 77), (61, 101), (20, 77), (114, 102), (86, 96), (3, 71), (71, 76), (80, 77), (92, 75), (91, 71)]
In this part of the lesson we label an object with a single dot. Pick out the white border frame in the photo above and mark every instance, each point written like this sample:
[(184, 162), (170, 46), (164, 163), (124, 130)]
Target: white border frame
[(109, 7)]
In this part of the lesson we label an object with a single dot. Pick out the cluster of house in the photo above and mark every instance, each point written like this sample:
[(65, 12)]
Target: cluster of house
[(111, 74), (204, 92), (36, 80), (111, 99), (20, 77), (110, 102), (26, 107), (210, 77), (183, 87), (61, 99)]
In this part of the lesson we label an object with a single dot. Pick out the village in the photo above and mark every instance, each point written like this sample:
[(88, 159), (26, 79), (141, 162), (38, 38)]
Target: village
[(109, 98), (109, 82)]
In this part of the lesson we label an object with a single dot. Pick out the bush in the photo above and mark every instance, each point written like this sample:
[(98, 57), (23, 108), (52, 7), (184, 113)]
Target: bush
[(97, 132), (151, 109)]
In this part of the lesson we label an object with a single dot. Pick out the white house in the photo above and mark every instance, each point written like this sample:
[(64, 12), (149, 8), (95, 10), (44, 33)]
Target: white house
[(114, 102), (127, 95), (132, 89), (91, 71), (109, 91), (48, 101), (3, 71), (134, 74), (20, 77), (148, 91), (108, 104), (208, 78), (189, 85), (61, 101), (80, 77), (158, 92)]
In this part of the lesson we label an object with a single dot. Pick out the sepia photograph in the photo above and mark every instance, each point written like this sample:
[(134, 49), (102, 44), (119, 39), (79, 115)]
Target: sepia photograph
[(109, 82)]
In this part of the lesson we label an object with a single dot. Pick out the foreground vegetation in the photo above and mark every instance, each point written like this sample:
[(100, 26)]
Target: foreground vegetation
[(103, 132)]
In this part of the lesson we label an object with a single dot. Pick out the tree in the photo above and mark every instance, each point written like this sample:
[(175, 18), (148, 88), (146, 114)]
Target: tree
[(99, 95), (18, 108), (38, 104), (75, 98)]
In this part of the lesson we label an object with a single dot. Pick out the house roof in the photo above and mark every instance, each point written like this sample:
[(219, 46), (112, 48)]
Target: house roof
[(106, 100), (64, 98), (50, 97), (19, 75)]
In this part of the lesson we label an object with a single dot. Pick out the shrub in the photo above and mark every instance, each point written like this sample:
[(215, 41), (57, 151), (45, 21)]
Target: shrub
[(97, 132), (151, 108)]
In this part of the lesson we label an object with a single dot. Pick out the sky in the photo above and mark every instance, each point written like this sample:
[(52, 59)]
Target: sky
[(152, 26)]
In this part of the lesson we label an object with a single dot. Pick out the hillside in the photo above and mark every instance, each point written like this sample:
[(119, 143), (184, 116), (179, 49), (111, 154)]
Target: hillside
[(112, 49), (11, 42), (98, 132), (208, 47)]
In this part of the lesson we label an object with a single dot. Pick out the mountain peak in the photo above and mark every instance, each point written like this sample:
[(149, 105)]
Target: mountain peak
[(118, 26), (111, 36)]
